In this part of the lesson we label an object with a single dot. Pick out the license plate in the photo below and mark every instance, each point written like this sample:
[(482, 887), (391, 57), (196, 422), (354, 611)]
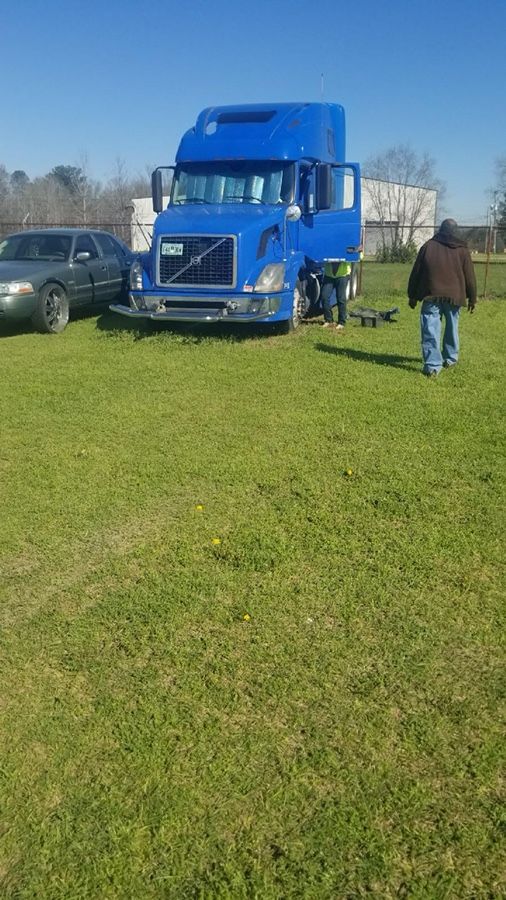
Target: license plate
[(172, 249)]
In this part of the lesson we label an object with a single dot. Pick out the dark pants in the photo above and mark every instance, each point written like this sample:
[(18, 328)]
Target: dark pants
[(338, 285)]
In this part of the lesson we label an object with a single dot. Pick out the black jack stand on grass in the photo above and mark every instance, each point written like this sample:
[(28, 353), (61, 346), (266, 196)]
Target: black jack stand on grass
[(373, 318)]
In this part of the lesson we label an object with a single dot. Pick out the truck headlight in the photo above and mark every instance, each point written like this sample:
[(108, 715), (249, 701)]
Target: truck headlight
[(136, 276), (16, 287), (271, 278)]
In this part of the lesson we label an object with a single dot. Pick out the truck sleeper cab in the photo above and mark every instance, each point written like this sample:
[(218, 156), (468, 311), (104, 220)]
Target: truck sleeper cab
[(261, 196)]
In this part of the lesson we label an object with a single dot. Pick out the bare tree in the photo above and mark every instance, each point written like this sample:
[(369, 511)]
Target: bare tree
[(4, 190), (399, 186), (67, 195)]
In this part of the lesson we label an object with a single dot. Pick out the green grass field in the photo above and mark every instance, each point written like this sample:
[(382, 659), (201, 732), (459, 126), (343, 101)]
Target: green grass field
[(293, 692)]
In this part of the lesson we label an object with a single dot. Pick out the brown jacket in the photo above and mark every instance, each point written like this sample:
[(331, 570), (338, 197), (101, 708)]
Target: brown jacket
[(443, 268)]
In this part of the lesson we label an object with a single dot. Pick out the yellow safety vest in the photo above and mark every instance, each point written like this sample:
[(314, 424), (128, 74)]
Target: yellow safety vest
[(343, 270)]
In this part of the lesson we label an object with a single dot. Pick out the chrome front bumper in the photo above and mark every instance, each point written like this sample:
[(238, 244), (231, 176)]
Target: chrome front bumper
[(246, 308)]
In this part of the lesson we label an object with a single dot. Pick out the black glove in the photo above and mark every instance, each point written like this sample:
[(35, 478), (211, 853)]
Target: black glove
[(471, 306), (412, 303)]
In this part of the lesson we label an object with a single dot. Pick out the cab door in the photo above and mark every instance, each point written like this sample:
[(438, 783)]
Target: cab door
[(91, 274), (335, 232)]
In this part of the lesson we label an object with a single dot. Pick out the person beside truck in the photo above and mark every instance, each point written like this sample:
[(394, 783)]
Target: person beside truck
[(336, 277)]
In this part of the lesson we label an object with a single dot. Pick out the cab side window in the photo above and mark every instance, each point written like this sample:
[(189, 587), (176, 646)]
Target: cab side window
[(342, 188)]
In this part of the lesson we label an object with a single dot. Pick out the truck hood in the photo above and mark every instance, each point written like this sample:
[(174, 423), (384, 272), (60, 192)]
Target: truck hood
[(225, 218)]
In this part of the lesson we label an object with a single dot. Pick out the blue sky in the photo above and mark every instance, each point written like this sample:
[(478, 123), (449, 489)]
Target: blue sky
[(124, 78)]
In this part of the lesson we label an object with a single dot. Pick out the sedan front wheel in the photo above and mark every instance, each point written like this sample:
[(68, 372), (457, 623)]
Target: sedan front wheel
[(52, 312)]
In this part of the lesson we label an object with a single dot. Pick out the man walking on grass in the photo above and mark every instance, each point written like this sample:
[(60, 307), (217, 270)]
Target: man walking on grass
[(443, 280)]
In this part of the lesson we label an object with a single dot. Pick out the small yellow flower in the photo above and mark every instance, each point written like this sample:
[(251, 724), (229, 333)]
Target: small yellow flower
[(199, 507), (247, 617), (216, 541), (349, 471)]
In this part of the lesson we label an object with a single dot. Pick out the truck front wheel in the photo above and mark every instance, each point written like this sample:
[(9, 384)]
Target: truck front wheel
[(299, 305), (352, 286)]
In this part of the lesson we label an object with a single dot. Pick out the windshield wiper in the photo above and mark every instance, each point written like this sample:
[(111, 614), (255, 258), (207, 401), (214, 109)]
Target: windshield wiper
[(244, 197)]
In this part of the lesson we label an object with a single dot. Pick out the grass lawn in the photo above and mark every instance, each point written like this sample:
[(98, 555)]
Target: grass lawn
[(293, 691), (391, 280)]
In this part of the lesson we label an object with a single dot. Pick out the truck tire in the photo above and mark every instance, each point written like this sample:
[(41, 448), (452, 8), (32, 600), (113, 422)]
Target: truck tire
[(52, 312), (299, 305), (313, 290), (352, 288)]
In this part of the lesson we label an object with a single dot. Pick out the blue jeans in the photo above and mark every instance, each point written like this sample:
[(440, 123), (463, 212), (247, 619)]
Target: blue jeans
[(338, 285), (430, 319)]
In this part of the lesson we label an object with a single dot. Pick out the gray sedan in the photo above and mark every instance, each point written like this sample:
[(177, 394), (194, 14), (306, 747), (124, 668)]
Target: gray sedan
[(43, 274)]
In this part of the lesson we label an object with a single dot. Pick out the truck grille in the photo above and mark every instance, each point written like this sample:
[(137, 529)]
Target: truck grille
[(197, 259)]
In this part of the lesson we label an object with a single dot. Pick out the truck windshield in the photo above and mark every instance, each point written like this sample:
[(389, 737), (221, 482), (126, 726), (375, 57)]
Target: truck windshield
[(243, 181)]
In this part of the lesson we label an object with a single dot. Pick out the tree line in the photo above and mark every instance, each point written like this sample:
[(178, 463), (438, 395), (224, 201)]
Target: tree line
[(67, 195)]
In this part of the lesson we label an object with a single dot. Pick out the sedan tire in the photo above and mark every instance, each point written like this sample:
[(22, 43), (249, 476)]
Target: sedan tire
[(52, 312)]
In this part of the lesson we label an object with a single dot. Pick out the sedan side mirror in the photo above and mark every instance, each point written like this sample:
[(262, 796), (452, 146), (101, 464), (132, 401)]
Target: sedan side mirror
[(83, 256)]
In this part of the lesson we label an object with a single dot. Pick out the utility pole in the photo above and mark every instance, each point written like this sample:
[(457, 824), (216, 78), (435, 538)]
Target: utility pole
[(493, 209)]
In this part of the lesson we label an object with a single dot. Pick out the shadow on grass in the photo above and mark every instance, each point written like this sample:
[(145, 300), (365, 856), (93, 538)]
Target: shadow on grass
[(115, 324), (411, 363), (13, 327)]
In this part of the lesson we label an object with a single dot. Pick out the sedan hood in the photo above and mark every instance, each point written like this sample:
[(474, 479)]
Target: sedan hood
[(23, 270)]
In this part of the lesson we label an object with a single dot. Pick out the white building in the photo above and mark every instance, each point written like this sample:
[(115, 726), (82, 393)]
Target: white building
[(391, 210), (387, 210)]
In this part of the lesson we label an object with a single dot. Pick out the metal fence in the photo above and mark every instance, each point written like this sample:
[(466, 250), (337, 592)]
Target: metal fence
[(375, 235), (479, 238)]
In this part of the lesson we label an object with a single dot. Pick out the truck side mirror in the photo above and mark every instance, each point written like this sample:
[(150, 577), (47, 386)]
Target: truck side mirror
[(156, 190), (323, 186)]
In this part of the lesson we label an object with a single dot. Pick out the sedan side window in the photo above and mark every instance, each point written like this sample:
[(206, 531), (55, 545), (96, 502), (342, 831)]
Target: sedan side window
[(110, 246), (106, 244), (122, 251), (85, 244)]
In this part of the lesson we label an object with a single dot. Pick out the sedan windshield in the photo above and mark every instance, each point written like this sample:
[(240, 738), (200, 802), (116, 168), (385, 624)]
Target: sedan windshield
[(244, 181), (33, 246)]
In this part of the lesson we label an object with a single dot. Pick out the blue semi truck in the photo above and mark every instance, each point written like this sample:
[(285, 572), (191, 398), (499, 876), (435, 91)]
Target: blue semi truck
[(261, 198)]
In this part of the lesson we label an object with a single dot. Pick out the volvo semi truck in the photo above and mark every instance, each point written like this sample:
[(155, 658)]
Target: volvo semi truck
[(261, 197)]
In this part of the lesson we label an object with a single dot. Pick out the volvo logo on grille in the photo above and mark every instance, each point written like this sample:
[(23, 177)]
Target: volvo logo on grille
[(195, 260)]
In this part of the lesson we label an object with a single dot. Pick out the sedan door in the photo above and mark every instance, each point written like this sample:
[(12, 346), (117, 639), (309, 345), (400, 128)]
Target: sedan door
[(91, 275), (117, 266)]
